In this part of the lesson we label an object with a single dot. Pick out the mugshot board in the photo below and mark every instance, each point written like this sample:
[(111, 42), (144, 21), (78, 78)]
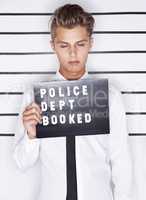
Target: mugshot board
[(77, 107)]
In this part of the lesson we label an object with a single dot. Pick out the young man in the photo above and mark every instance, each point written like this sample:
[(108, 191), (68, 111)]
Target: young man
[(102, 167)]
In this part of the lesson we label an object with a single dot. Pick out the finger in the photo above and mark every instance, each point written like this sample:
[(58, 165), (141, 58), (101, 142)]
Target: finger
[(32, 122), (31, 111), (32, 117), (33, 104)]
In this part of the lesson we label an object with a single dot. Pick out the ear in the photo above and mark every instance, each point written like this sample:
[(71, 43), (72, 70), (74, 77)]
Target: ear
[(52, 45), (91, 42)]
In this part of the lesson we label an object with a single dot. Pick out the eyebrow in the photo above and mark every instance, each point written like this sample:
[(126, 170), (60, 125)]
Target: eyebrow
[(76, 42), (83, 40), (61, 42)]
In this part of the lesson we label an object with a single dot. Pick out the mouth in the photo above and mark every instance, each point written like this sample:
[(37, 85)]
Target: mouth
[(74, 62)]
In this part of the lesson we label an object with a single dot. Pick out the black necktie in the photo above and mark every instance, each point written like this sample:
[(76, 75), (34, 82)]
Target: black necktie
[(71, 168)]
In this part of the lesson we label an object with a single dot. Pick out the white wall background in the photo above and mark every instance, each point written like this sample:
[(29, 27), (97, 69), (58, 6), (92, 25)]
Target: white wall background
[(119, 52)]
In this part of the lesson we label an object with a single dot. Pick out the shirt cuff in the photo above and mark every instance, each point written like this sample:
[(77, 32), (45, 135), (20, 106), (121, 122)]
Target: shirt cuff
[(30, 144)]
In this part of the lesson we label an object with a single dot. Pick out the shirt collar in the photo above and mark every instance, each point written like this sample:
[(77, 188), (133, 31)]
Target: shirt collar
[(59, 76)]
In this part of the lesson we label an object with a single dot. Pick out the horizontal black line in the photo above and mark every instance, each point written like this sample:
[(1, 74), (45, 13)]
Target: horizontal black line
[(7, 134), (127, 113), (93, 13), (25, 33), (8, 114), (48, 33), (133, 92), (135, 113), (117, 72), (119, 32), (137, 134), (118, 51), (90, 72), (123, 92), (26, 14), (30, 73), (25, 53), (11, 93), (91, 52), (130, 134), (119, 13)]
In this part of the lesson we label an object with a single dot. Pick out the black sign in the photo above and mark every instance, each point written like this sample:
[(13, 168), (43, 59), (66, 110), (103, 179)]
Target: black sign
[(76, 107)]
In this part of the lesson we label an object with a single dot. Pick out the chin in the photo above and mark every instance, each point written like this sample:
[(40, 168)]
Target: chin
[(74, 73), (75, 69)]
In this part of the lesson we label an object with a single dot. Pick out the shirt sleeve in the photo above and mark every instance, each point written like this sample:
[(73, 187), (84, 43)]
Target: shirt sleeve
[(120, 156), (26, 151)]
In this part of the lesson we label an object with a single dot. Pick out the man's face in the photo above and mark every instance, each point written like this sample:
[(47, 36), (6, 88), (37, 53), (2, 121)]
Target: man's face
[(71, 47)]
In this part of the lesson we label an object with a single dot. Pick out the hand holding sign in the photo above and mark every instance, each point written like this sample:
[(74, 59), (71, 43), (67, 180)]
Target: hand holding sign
[(31, 117)]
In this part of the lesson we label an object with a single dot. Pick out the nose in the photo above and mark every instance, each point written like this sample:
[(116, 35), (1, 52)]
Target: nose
[(72, 51)]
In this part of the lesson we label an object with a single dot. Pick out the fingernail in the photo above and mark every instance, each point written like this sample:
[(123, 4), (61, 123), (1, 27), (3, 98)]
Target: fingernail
[(40, 121)]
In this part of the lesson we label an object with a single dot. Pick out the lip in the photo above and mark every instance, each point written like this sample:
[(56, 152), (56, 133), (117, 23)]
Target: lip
[(74, 62)]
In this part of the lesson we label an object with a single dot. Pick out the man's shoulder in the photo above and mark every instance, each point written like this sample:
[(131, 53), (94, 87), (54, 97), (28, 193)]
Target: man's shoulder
[(114, 88), (53, 77), (115, 95)]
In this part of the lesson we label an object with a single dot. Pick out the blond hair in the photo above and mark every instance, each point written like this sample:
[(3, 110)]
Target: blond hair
[(69, 16)]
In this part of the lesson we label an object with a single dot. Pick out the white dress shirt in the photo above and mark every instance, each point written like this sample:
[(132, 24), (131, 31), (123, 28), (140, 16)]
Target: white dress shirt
[(103, 162)]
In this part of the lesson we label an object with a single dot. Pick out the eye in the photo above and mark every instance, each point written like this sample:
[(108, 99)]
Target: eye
[(63, 46), (81, 44)]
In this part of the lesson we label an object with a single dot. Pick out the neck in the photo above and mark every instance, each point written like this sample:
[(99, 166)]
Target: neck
[(72, 76)]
